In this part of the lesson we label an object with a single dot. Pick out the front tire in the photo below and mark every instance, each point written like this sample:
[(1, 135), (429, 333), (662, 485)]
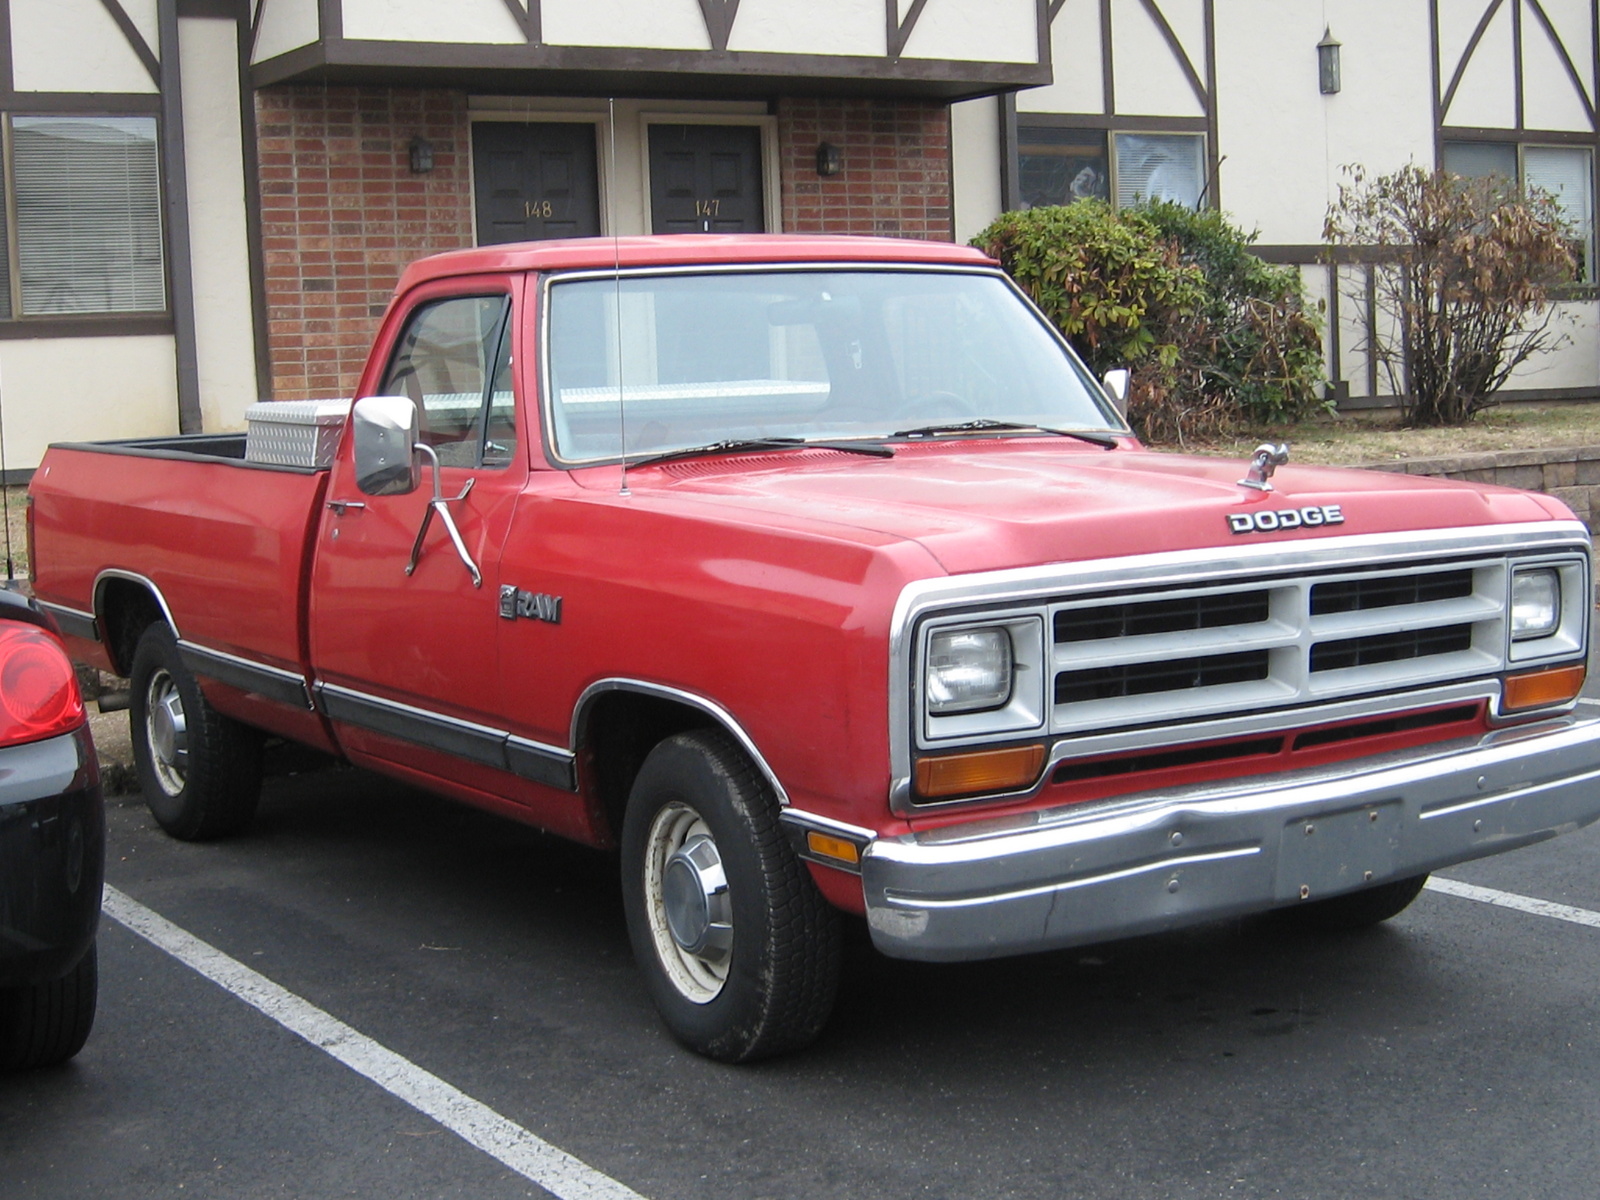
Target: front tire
[(739, 950), (47, 1023), (200, 772)]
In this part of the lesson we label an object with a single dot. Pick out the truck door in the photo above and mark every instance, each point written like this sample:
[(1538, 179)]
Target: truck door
[(405, 659)]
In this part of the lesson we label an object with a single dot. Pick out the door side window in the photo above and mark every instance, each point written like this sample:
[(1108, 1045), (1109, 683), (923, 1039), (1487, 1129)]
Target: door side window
[(454, 360)]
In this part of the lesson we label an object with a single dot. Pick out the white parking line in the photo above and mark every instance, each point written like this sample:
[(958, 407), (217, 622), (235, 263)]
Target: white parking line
[(1527, 904), (530, 1156)]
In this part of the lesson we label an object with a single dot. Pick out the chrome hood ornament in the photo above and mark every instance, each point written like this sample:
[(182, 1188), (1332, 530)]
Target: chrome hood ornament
[(1267, 459)]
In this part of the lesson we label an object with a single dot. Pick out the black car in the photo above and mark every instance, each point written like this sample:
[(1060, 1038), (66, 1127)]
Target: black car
[(52, 846)]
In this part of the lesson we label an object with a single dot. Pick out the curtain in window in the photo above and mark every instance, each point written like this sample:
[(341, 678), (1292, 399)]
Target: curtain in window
[(88, 215), (1160, 166)]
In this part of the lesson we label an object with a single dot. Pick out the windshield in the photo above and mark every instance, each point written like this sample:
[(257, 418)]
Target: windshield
[(732, 356)]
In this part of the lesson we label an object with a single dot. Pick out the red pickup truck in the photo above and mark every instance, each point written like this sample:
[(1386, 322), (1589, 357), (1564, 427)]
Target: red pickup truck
[(818, 575)]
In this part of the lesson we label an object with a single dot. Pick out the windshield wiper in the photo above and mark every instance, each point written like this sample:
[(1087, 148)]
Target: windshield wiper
[(986, 425), (739, 445)]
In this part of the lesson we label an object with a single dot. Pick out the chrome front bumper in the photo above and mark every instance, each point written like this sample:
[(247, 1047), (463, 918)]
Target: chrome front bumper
[(1163, 860)]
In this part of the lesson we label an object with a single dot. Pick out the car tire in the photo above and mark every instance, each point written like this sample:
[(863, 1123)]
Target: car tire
[(739, 950), (1360, 910), (47, 1023), (200, 772)]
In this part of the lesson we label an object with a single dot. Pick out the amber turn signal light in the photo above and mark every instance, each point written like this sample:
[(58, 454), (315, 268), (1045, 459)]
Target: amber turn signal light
[(827, 846), (1541, 689), (981, 771)]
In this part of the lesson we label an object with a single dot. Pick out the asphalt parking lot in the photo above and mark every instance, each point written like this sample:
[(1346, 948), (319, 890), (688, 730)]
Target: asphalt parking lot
[(448, 963)]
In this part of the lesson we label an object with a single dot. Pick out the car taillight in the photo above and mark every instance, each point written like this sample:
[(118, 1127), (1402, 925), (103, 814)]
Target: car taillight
[(39, 695)]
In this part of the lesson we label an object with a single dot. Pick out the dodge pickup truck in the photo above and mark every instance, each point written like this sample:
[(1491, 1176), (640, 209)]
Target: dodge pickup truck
[(818, 577)]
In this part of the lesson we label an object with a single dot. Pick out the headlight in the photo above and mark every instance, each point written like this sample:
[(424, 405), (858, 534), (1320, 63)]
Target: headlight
[(969, 670), (1535, 603)]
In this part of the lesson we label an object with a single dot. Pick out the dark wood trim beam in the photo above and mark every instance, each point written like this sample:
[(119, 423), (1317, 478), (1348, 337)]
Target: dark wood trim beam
[(1433, 89), (1010, 166), (8, 78), (1549, 136), (175, 191), (522, 17), (45, 104), (1566, 61), (1518, 88), (330, 19), (1108, 83), (1201, 92), (222, 10), (899, 31), (1055, 9), (131, 325), (536, 21), (259, 329), (1213, 127), (719, 16), (1466, 55), (1122, 124), (135, 39)]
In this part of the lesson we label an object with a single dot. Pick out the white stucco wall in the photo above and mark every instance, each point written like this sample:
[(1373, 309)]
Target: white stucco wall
[(480, 21), (85, 389), (1078, 84), (975, 161), (1286, 143), (73, 46), (994, 31), (1148, 77), (817, 27), (285, 25), (219, 237), (658, 24)]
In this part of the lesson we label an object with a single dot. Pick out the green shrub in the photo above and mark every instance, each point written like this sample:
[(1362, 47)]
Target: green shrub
[(1214, 336)]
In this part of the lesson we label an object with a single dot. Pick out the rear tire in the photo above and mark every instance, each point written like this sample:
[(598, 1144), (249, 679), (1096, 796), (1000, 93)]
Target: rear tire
[(739, 950), (1360, 910), (48, 1023), (200, 772)]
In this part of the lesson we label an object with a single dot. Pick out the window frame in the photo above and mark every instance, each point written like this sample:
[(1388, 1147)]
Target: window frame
[(18, 325), (1109, 127)]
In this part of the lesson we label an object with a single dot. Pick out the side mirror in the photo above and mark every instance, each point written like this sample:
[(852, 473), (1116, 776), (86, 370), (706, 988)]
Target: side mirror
[(385, 429), (1116, 383)]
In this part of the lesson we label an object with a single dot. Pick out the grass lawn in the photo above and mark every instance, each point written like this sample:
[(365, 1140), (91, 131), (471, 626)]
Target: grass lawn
[(1360, 439)]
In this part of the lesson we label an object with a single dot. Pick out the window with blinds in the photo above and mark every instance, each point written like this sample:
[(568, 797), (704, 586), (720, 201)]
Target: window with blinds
[(1160, 166), (1566, 173), (86, 206)]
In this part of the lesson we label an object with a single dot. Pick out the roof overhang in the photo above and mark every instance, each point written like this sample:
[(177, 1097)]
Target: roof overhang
[(610, 71)]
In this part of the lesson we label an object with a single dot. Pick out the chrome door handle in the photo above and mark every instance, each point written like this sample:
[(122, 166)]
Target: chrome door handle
[(339, 506)]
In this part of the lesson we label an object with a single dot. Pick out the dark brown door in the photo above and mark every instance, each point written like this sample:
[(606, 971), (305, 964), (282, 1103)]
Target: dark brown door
[(535, 181), (706, 179)]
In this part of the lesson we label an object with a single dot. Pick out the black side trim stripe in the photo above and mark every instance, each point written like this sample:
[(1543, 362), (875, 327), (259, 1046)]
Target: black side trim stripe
[(272, 683), (477, 743), (72, 622)]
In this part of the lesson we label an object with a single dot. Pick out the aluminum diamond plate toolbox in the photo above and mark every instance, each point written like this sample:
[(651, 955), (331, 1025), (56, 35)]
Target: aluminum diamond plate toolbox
[(294, 433)]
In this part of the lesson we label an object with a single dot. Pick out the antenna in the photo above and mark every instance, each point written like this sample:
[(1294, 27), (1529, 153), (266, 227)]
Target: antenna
[(616, 279)]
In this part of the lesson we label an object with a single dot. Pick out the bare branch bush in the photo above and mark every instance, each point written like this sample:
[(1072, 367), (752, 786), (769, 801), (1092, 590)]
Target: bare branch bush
[(1464, 275)]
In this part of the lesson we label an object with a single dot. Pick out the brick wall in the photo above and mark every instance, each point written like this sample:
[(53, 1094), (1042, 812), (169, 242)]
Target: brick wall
[(342, 214), (896, 167)]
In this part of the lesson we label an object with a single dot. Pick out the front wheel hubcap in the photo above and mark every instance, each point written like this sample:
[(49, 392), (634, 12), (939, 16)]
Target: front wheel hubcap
[(166, 732), (689, 905)]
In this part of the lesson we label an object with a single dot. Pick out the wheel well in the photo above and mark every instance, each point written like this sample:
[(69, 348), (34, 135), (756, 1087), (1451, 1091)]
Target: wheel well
[(125, 609), (618, 731)]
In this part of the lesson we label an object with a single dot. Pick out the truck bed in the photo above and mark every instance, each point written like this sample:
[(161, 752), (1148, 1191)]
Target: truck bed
[(169, 510)]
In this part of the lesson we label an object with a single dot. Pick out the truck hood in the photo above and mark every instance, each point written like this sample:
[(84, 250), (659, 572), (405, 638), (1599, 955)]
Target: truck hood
[(1002, 503)]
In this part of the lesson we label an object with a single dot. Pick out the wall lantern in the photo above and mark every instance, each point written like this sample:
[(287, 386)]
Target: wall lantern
[(829, 160), (1328, 63), (421, 156)]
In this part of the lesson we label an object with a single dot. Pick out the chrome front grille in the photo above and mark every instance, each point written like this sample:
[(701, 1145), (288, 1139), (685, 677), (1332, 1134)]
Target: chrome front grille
[(1183, 653)]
